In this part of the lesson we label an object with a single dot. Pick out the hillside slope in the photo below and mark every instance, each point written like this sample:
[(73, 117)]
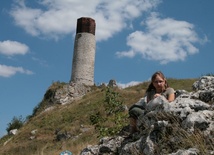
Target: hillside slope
[(57, 128)]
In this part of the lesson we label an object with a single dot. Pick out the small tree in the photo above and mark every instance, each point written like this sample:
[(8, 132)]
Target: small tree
[(16, 123), (113, 118)]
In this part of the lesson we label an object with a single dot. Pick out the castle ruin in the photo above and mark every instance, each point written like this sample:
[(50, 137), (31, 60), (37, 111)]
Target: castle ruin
[(84, 52)]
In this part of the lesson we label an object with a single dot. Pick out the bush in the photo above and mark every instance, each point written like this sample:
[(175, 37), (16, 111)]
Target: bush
[(16, 123), (110, 121)]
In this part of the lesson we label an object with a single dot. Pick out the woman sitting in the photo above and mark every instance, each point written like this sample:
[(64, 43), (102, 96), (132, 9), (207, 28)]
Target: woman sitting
[(157, 88)]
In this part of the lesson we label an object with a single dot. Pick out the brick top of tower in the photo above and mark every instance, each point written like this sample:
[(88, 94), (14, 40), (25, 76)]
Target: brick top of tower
[(86, 24)]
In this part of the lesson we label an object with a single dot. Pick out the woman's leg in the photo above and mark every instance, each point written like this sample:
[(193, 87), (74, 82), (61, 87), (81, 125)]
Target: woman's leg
[(134, 113), (133, 125)]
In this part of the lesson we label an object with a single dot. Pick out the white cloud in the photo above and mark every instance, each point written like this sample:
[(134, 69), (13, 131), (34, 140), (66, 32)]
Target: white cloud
[(8, 71), (58, 17), (129, 84), (165, 40), (11, 48)]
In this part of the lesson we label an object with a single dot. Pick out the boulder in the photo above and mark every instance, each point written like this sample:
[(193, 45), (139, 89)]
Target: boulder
[(165, 126)]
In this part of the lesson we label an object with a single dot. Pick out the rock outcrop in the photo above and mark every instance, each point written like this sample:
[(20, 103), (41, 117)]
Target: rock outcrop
[(65, 93), (182, 127)]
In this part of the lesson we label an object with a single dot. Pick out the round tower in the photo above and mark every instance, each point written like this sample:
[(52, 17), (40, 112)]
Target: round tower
[(84, 52)]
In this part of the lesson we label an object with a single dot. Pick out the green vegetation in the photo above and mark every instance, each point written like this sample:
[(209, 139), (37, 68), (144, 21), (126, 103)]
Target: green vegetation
[(183, 84), (174, 137), (16, 123), (113, 111), (99, 113)]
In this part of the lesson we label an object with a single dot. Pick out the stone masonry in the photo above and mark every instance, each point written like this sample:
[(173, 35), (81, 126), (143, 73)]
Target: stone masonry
[(84, 52)]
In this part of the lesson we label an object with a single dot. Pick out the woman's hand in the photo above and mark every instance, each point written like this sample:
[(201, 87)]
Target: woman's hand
[(156, 95)]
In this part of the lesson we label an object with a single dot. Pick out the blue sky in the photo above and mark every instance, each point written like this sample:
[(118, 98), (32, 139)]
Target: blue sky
[(134, 38)]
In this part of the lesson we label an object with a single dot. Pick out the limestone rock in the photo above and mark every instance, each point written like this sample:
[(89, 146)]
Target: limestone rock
[(188, 113), (13, 132), (69, 93)]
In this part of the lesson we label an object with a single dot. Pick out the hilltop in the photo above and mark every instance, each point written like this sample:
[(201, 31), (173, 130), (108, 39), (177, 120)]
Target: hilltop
[(53, 127)]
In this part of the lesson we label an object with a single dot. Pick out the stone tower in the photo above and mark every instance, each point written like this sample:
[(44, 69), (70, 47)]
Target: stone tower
[(84, 52)]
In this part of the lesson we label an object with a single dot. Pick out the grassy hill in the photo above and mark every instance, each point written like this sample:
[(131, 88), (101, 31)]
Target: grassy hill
[(74, 126)]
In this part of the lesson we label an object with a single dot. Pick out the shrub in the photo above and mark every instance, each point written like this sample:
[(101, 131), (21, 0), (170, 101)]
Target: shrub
[(16, 123), (113, 118)]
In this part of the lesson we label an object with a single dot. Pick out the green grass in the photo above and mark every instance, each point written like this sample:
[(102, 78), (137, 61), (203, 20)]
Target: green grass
[(70, 118)]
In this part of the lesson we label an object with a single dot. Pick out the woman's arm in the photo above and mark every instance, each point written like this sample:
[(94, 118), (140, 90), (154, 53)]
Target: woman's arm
[(152, 95), (171, 97)]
